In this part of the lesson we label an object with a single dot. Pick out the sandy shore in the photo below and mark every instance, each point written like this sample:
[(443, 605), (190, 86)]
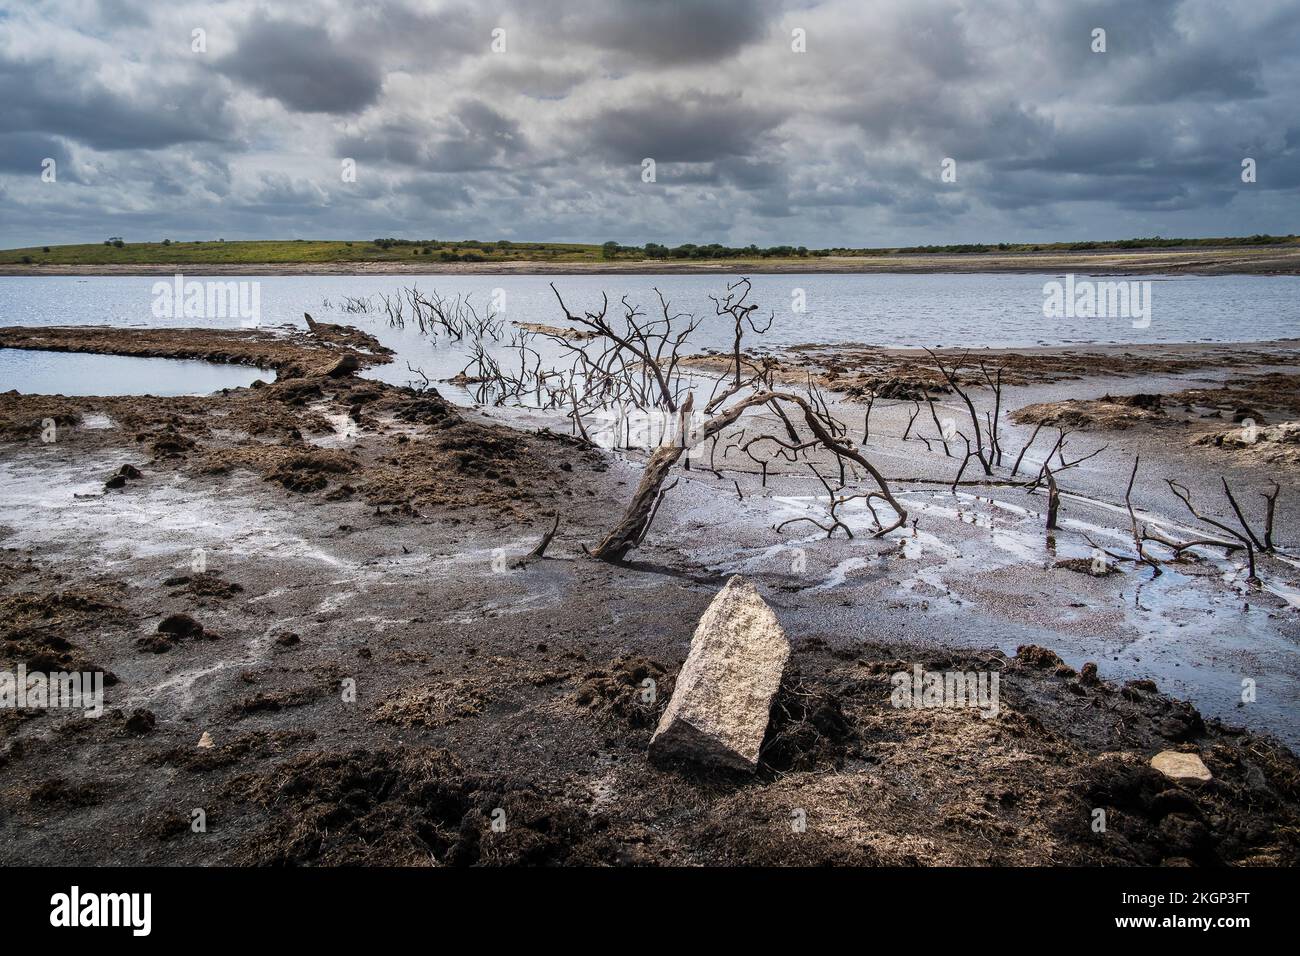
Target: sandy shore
[(1261, 260), (377, 678)]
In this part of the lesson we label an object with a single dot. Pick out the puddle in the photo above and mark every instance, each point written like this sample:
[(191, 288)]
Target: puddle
[(36, 372)]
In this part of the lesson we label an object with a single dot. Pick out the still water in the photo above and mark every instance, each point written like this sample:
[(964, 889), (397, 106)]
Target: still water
[(884, 310)]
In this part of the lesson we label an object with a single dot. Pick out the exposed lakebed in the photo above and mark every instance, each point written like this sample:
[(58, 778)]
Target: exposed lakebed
[(352, 532)]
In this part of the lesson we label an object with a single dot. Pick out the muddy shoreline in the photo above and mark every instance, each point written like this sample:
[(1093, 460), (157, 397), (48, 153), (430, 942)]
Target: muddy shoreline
[(356, 534), (1261, 260)]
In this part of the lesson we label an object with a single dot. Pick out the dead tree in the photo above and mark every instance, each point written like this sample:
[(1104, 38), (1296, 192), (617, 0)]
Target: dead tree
[(634, 365), (985, 459), (733, 304), (1053, 501), (1245, 539)]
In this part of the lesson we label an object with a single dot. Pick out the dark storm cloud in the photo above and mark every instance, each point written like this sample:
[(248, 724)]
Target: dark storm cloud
[(1155, 55), (839, 145), (61, 98), (472, 137), (667, 31), (302, 66), (23, 153), (696, 127)]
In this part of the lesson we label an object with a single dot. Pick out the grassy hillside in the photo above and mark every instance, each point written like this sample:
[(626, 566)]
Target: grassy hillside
[(290, 251), (212, 252)]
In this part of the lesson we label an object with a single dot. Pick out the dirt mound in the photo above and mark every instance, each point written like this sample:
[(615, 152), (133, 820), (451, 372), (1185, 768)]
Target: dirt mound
[(206, 584), (436, 704), (1268, 443), (35, 628), (311, 470), (172, 631), (630, 693), (911, 387), (411, 807), (1109, 411)]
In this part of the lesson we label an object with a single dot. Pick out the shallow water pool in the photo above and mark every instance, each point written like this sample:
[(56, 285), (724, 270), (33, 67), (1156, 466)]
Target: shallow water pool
[(36, 372)]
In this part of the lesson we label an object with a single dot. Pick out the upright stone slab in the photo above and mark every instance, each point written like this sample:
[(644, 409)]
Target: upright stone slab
[(720, 706)]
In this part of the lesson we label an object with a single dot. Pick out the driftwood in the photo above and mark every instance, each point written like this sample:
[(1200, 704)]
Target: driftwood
[(539, 551)]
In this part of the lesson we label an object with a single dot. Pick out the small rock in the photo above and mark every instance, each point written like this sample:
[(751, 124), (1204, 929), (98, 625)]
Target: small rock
[(205, 742), (722, 700), (346, 365), (117, 481), (129, 471), (1182, 767)]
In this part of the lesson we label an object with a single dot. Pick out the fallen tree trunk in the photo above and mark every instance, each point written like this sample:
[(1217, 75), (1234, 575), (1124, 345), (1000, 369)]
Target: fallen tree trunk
[(631, 529), (628, 533)]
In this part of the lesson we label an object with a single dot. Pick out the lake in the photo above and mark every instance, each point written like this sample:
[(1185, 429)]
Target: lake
[(884, 310)]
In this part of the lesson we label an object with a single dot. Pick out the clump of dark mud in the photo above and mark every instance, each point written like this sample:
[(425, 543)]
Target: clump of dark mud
[(311, 470), (1088, 566), (434, 704), (807, 728), (172, 631), (37, 629), (412, 807), (631, 693), (205, 584)]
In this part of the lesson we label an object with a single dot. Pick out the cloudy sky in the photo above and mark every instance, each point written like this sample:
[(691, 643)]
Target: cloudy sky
[(842, 144)]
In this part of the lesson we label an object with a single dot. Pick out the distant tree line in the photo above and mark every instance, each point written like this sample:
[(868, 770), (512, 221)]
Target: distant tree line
[(652, 250)]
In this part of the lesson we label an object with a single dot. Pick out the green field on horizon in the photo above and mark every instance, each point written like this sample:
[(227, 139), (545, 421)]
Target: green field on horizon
[(236, 252), (273, 251)]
